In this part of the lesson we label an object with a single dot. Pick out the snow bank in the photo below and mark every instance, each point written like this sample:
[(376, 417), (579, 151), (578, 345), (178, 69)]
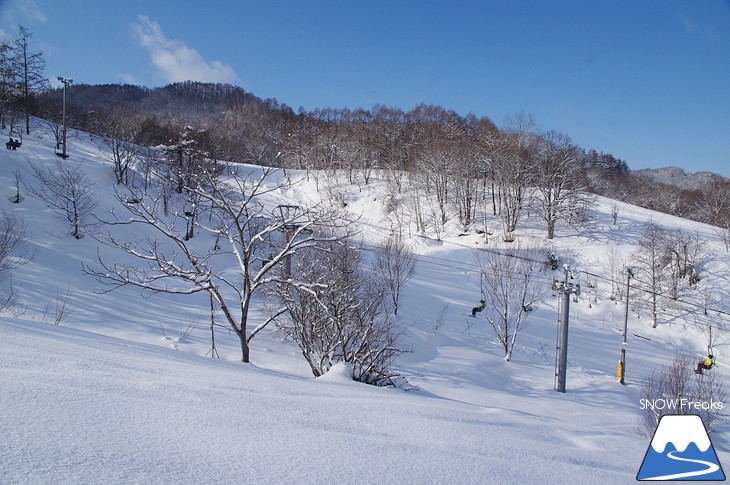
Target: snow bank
[(84, 408), (341, 373)]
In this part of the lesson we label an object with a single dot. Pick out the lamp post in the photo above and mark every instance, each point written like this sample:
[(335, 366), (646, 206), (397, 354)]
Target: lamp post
[(66, 81)]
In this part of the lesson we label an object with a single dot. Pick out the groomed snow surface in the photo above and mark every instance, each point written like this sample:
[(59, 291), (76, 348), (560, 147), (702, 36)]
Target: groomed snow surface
[(122, 393)]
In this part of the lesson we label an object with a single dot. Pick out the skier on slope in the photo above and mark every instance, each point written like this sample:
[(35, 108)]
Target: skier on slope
[(478, 308), (705, 364)]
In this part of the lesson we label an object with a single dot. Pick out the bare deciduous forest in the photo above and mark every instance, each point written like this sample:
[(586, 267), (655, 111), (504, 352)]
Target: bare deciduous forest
[(448, 151)]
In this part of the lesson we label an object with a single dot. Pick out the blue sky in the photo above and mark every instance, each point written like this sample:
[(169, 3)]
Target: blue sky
[(645, 80)]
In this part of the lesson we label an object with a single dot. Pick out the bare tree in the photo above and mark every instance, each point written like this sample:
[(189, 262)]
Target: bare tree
[(681, 258), (436, 167), (617, 269), (8, 82), (511, 290), (189, 167), (13, 118), (340, 317), (676, 389), (724, 233), (556, 176), (466, 179), (65, 190), (649, 259), (58, 311), (14, 253), (509, 162), (395, 265), (53, 122), (13, 250), (713, 203), (414, 203), (614, 212), (257, 240), (17, 198), (121, 142)]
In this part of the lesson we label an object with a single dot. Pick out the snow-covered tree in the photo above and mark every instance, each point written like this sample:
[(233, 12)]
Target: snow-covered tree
[(247, 241), (340, 315), (557, 178)]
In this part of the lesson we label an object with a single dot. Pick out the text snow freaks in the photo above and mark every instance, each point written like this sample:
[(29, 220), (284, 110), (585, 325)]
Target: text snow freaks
[(679, 404)]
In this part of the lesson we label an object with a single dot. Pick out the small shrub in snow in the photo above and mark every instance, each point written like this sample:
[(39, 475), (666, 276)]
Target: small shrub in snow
[(340, 315)]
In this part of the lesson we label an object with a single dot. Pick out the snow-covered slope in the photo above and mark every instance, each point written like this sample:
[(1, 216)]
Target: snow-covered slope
[(122, 391), (85, 408)]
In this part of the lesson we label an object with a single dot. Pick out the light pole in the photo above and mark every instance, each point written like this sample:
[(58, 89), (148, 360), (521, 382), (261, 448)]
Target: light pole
[(66, 81)]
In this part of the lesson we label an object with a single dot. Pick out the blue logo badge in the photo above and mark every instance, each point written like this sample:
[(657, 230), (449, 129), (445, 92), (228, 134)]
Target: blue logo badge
[(681, 450)]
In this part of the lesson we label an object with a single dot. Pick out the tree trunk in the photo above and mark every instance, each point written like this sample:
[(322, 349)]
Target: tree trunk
[(550, 228), (244, 347)]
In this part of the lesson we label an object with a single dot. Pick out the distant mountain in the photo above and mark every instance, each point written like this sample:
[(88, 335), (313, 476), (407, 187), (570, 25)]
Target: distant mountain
[(678, 177)]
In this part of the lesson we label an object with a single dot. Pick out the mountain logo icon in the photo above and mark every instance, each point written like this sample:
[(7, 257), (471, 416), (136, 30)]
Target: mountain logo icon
[(681, 450)]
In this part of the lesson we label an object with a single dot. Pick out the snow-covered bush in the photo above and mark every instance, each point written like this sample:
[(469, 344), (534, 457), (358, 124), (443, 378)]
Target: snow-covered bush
[(340, 315)]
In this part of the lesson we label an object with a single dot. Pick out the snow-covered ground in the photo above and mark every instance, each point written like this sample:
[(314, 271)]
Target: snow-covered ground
[(123, 392)]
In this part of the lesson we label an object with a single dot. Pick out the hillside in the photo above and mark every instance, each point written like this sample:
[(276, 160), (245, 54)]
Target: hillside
[(122, 391), (678, 177)]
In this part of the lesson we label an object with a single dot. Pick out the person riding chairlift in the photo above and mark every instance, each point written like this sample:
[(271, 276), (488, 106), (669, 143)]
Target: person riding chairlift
[(478, 308), (705, 364)]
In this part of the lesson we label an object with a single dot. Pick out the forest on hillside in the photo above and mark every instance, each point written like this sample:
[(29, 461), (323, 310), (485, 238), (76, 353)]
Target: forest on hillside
[(451, 154), (238, 126)]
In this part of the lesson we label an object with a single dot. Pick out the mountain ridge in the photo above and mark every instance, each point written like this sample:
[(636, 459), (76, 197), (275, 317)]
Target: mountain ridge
[(679, 177)]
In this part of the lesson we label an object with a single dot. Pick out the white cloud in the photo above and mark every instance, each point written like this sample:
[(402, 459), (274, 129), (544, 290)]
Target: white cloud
[(31, 10), (175, 61), (127, 78), (21, 11), (694, 27)]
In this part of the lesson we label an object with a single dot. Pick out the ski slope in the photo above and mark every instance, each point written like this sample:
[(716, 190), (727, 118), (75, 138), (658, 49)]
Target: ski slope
[(123, 392)]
